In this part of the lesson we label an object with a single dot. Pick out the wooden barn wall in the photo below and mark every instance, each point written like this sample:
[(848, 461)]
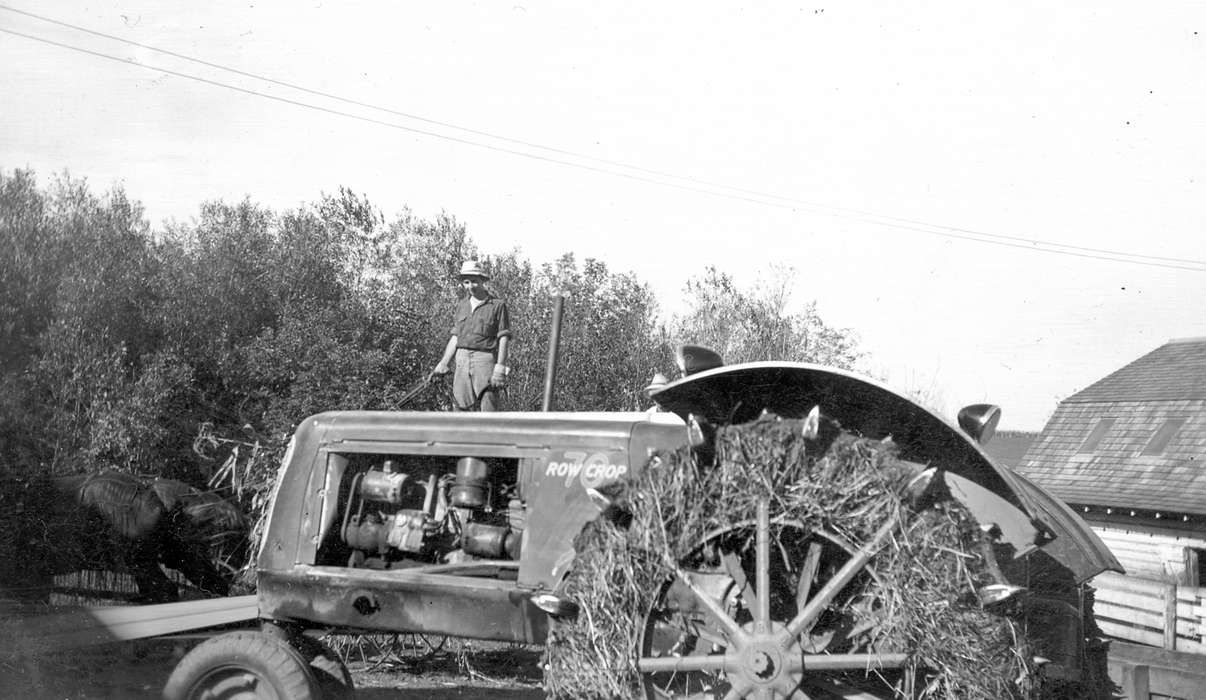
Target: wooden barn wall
[(1149, 553)]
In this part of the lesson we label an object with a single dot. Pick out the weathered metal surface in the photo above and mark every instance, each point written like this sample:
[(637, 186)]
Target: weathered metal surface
[(102, 625), (561, 453), (1075, 545), (740, 393), (408, 600)]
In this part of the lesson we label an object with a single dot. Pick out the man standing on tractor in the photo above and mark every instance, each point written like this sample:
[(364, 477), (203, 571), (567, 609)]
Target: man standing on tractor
[(481, 334)]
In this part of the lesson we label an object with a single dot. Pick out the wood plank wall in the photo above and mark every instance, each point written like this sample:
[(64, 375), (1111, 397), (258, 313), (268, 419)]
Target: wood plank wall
[(1151, 555), (1153, 613)]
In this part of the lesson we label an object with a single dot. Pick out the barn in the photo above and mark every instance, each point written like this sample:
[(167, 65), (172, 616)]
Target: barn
[(1127, 453)]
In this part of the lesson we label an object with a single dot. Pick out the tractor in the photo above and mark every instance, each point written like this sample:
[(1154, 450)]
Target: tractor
[(465, 525)]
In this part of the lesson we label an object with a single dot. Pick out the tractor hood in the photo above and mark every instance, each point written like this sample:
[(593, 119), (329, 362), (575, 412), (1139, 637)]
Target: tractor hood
[(1028, 515)]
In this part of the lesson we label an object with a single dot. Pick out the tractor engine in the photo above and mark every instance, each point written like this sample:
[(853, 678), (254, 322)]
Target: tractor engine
[(395, 517)]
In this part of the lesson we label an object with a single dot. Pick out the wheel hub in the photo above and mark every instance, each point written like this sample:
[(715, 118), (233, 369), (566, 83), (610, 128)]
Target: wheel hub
[(762, 664), (762, 661)]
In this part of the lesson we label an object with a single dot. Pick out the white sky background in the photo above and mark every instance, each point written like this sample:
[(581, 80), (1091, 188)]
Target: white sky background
[(1082, 124)]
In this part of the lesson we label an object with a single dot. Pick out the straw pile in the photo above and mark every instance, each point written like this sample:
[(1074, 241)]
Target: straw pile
[(924, 602)]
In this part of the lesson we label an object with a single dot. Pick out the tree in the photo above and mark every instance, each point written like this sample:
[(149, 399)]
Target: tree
[(80, 270), (119, 343), (746, 325), (609, 342)]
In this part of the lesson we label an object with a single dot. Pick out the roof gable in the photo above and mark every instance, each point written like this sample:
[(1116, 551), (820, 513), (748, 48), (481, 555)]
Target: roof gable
[(1134, 439), (1175, 371)]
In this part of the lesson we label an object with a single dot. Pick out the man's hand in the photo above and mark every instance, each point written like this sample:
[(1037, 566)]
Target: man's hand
[(498, 379), (441, 368)]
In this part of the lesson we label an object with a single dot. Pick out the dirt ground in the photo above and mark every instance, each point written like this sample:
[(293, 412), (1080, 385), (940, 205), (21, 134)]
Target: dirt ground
[(382, 669), (138, 670)]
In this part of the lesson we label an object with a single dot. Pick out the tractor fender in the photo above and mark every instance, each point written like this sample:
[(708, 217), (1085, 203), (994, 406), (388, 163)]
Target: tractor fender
[(1027, 516)]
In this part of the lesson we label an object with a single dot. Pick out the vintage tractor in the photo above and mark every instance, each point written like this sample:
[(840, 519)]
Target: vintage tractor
[(465, 524)]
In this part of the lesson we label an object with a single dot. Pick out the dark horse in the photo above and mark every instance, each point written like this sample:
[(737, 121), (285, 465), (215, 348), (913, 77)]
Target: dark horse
[(111, 520)]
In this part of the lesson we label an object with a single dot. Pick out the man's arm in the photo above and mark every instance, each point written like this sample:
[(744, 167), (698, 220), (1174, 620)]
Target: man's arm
[(503, 343), (449, 350), (498, 378), (501, 369)]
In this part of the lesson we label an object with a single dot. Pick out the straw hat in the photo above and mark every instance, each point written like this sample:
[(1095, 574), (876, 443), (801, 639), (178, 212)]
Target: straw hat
[(472, 268), (658, 383)]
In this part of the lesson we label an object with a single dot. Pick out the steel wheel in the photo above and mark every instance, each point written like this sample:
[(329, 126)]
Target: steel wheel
[(746, 617)]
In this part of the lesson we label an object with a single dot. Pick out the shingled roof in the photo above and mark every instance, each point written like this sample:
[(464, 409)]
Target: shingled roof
[(1135, 439), (1175, 371)]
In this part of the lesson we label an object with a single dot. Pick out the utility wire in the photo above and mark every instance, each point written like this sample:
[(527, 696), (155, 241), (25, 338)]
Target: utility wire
[(328, 110), (756, 198), (529, 144), (582, 156)]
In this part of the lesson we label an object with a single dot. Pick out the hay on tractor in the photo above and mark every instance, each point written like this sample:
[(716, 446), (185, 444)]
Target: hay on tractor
[(691, 518)]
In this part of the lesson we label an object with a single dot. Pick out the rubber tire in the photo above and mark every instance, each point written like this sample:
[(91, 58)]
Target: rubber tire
[(330, 673), (272, 661)]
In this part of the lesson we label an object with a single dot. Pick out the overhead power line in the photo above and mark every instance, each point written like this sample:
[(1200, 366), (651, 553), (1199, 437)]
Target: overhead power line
[(328, 110), (814, 205), (752, 196)]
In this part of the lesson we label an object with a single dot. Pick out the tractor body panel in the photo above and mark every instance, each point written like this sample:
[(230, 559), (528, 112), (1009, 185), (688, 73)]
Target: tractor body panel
[(311, 571), (482, 603)]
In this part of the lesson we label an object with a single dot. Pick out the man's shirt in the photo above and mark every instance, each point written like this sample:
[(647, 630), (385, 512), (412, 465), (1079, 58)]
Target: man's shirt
[(480, 328)]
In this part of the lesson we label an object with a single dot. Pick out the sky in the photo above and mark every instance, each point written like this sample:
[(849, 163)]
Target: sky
[(1004, 201)]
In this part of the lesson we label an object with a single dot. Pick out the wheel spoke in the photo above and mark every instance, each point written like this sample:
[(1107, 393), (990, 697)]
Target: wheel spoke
[(715, 656), (864, 627), (808, 574), (829, 591), (711, 637), (762, 572), (845, 662), (732, 566), (727, 624), (679, 664)]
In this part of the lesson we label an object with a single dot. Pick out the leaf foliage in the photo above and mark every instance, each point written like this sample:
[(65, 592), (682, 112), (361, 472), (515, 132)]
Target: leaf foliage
[(121, 342)]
